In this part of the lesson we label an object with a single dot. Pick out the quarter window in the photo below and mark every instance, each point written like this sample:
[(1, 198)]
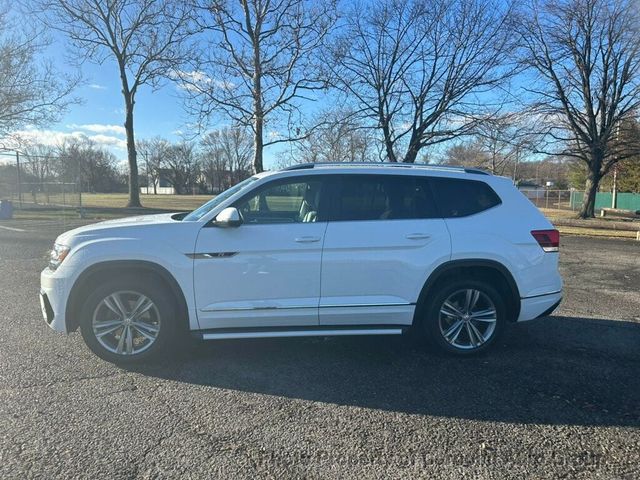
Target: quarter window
[(459, 198), (383, 197)]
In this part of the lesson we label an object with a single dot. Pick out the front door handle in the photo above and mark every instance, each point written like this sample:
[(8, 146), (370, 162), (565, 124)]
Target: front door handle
[(418, 236), (307, 239)]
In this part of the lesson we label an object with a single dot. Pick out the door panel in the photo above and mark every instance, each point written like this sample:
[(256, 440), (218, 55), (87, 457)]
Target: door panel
[(373, 271), (384, 238), (266, 278), (266, 272)]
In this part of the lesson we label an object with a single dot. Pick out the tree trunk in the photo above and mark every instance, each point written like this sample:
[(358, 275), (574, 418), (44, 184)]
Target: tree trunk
[(412, 154), (593, 181), (258, 124), (589, 199), (258, 146), (134, 188), (258, 111), (388, 142)]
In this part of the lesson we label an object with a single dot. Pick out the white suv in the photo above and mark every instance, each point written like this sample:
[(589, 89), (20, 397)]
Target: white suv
[(340, 249)]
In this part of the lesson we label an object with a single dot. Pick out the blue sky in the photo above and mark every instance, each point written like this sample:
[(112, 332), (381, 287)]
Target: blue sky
[(100, 115)]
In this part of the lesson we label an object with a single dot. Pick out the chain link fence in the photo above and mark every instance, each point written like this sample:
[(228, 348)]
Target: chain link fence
[(30, 184), (41, 194), (570, 200)]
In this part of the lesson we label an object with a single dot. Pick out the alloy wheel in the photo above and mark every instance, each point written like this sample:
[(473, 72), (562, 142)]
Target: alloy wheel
[(467, 319), (126, 323)]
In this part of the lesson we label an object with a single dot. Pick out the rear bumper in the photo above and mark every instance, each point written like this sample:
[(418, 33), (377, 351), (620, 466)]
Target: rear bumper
[(539, 306)]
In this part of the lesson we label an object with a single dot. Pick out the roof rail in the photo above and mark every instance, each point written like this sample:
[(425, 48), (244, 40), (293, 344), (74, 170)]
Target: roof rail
[(479, 171), (301, 166), (456, 168)]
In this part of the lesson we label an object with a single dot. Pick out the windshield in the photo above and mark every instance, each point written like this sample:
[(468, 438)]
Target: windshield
[(201, 211)]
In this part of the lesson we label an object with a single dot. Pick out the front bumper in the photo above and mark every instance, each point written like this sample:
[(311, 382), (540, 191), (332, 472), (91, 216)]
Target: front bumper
[(53, 296), (540, 305)]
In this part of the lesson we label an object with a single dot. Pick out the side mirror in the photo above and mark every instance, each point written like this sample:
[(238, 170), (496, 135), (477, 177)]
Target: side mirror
[(229, 217)]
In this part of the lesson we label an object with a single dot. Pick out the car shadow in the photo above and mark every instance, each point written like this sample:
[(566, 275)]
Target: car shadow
[(557, 370)]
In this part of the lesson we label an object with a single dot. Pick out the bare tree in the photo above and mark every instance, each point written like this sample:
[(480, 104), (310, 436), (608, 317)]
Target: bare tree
[(144, 38), (226, 156), (586, 56), (81, 160), (465, 154), (340, 137), (153, 152), (260, 61), (32, 92), (421, 70), (504, 139), (39, 161), (214, 163), (181, 167)]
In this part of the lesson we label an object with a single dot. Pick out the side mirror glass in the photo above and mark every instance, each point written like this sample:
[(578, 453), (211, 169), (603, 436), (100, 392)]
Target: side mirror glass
[(229, 217)]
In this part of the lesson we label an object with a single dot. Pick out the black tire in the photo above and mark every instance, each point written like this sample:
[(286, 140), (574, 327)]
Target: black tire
[(432, 322), (162, 315)]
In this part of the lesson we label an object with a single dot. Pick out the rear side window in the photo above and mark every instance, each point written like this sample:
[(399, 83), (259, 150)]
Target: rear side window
[(459, 198), (382, 197)]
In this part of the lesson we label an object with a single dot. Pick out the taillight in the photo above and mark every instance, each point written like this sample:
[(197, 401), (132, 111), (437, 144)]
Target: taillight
[(549, 240)]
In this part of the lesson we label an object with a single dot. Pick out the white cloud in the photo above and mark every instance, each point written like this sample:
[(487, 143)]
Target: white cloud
[(56, 137), (109, 141), (97, 86), (100, 128), (198, 80)]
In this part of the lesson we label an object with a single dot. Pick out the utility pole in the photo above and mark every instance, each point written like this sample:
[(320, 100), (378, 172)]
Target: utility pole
[(515, 165), (18, 178), (145, 154), (146, 161)]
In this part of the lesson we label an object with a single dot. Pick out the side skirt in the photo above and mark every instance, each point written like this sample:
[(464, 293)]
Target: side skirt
[(321, 331)]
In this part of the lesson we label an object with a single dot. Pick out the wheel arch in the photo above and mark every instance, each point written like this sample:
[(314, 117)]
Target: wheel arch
[(88, 278), (477, 269)]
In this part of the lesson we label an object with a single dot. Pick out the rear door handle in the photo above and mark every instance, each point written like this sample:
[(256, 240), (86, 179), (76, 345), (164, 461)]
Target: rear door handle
[(417, 236), (307, 239)]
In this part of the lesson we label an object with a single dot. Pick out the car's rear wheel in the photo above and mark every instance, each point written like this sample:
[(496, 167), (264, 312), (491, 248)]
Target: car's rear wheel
[(128, 320), (464, 317)]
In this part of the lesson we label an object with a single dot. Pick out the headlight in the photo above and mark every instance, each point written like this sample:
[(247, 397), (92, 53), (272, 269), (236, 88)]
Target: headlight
[(57, 255)]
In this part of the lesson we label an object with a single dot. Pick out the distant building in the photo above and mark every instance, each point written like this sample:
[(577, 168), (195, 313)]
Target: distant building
[(531, 190)]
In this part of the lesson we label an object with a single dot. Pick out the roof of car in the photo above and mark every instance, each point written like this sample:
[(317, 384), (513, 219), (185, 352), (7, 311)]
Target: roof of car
[(394, 165)]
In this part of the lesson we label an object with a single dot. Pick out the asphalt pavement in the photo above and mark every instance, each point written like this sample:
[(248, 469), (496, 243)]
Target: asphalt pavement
[(558, 398)]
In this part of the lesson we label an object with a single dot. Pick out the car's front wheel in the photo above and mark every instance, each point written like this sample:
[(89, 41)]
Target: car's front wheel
[(464, 317), (128, 320)]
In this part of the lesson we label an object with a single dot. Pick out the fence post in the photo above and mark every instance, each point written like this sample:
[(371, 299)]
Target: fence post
[(80, 197)]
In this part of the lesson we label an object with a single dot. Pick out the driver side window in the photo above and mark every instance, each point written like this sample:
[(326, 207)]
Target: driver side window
[(295, 200)]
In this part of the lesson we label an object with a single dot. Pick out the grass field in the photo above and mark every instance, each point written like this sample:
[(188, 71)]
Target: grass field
[(164, 202), (100, 206)]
